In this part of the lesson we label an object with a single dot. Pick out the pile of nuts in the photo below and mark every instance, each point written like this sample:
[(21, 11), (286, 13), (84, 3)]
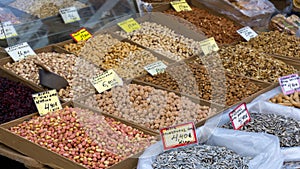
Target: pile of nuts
[(287, 100), (222, 29), (275, 42), (148, 106), (253, 63), (163, 40), (43, 9), (75, 70), (84, 136), (195, 80), (126, 59), (74, 47)]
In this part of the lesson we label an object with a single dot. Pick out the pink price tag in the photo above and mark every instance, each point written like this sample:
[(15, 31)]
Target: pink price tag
[(289, 84), (239, 116)]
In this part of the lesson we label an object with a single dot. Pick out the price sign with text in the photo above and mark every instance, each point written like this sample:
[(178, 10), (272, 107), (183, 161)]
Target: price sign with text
[(289, 84), (155, 68), (81, 35), (181, 5), (106, 81), (247, 33), (178, 136), (47, 101), (69, 14), (209, 45), (129, 25), (7, 30), (239, 116), (19, 51)]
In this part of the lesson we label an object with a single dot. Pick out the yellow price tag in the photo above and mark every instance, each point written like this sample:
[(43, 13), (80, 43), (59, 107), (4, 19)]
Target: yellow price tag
[(47, 101), (181, 5), (178, 136), (129, 25), (81, 35), (106, 81), (209, 45)]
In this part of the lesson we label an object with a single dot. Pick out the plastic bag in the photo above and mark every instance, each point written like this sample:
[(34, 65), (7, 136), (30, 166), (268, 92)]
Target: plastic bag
[(264, 148)]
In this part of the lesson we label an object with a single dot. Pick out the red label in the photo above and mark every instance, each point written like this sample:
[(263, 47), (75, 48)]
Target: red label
[(239, 116)]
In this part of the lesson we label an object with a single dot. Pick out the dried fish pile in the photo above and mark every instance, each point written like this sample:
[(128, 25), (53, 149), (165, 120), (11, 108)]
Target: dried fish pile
[(287, 129), (200, 157)]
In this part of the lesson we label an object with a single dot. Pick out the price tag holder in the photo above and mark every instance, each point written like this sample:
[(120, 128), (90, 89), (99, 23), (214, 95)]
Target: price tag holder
[(81, 35), (239, 116), (247, 33), (7, 30), (208, 46), (47, 101), (155, 68), (289, 84), (106, 81), (178, 136), (69, 14), (19, 51), (181, 5), (129, 25)]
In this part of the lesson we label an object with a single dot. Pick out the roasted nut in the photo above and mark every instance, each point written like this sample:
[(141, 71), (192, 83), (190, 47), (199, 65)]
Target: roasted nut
[(74, 47), (289, 100)]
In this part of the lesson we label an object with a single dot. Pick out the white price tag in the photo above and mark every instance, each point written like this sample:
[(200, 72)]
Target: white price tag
[(47, 101), (239, 116), (247, 33), (69, 14), (19, 51), (155, 68), (7, 30), (289, 84), (106, 81)]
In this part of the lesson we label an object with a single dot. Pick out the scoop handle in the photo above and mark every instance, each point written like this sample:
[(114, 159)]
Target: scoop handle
[(38, 63)]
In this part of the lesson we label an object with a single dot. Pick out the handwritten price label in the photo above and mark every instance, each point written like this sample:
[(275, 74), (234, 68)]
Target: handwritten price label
[(7, 30), (178, 136), (247, 33), (19, 51), (208, 46), (46, 102), (129, 25), (155, 68), (69, 14), (106, 81), (181, 5), (289, 84), (81, 35), (239, 116)]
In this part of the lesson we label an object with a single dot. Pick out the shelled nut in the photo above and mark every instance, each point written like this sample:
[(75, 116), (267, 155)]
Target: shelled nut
[(148, 106), (287, 100), (74, 47)]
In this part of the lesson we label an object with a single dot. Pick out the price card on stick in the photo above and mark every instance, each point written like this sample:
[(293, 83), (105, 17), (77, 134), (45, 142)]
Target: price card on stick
[(155, 68), (247, 33), (289, 84), (106, 81), (69, 14), (178, 136), (239, 116), (19, 51), (47, 101), (209, 45), (129, 25), (7, 30), (81, 35), (181, 5)]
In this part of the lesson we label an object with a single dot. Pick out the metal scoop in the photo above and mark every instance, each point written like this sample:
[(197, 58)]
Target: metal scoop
[(50, 79)]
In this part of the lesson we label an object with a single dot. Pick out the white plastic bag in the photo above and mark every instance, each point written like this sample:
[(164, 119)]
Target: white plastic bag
[(264, 148)]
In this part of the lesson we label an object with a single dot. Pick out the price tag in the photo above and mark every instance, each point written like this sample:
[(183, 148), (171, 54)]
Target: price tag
[(129, 25), (247, 33), (81, 35), (209, 45), (106, 81), (239, 116), (181, 5), (19, 51), (69, 14), (178, 136), (155, 68), (47, 101), (7, 30), (289, 84)]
